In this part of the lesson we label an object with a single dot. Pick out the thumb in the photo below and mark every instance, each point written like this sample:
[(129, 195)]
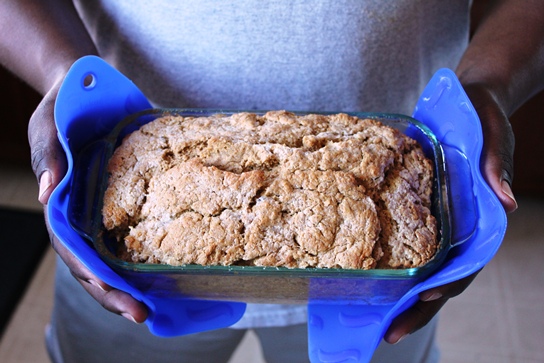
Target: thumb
[(497, 158), (497, 162), (47, 156)]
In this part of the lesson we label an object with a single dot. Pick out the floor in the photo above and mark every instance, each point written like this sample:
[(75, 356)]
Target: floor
[(498, 319)]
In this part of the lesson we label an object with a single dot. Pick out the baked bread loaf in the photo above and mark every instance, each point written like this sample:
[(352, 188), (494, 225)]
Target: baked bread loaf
[(278, 189)]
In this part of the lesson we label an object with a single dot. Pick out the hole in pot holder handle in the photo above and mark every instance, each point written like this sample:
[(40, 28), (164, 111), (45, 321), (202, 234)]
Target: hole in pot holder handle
[(93, 98)]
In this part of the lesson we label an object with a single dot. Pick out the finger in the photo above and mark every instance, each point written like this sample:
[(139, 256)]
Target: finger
[(413, 319), (449, 290), (111, 299), (419, 315), (47, 156), (115, 301)]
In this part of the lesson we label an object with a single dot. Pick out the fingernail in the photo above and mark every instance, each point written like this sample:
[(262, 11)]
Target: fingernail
[(45, 184), (433, 296), (95, 283), (401, 339), (506, 189), (129, 317)]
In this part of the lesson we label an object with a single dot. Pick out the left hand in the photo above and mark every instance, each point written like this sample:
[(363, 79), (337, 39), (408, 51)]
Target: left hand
[(497, 169)]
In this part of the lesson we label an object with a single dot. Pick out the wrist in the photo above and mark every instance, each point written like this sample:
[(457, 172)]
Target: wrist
[(41, 40), (54, 71), (505, 55), (485, 82)]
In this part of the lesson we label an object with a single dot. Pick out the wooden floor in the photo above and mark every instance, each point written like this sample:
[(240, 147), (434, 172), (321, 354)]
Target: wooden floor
[(499, 319)]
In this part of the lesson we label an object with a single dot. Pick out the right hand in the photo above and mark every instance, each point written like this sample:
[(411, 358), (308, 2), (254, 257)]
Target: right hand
[(49, 165)]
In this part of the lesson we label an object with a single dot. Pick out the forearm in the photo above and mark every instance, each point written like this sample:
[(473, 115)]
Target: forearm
[(40, 39), (506, 53)]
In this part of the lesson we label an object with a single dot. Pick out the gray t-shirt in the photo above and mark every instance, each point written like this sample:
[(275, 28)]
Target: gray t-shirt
[(355, 55), (329, 55)]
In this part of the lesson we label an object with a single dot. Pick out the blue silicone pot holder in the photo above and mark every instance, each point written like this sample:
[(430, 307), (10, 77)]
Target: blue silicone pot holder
[(95, 97)]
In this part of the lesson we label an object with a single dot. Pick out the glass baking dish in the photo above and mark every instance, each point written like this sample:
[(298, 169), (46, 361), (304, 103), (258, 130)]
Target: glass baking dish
[(251, 284)]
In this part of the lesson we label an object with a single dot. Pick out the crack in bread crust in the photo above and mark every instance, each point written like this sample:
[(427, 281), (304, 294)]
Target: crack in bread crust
[(273, 190)]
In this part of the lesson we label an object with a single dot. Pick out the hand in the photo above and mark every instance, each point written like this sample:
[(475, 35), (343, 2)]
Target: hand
[(497, 169), (49, 165)]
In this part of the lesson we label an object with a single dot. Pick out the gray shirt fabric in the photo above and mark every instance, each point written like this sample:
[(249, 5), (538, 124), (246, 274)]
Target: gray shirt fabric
[(351, 55), (329, 55)]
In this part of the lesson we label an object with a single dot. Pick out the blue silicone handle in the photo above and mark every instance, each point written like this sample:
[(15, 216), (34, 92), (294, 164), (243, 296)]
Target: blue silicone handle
[(343, 333), (93, 98)]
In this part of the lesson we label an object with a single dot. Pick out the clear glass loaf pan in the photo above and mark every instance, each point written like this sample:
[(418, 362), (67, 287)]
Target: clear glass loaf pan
[(250, 283)]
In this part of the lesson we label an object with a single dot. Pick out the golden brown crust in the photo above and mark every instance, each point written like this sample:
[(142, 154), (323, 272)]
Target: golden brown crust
[(273, 190)]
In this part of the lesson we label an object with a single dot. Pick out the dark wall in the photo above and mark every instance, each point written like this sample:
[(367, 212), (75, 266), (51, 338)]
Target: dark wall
[(17, 102)]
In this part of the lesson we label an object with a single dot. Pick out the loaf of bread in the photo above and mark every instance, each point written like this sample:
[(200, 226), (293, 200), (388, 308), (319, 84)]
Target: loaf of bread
[(325, 191)]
